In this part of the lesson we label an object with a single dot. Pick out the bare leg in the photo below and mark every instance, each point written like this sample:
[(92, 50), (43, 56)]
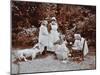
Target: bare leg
[(19, 58), (24, 58), (33, 56)]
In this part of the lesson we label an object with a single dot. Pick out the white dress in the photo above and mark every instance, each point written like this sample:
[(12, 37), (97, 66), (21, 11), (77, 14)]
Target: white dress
[(77, 45), (62, 51), (54, 35), (43, 37)]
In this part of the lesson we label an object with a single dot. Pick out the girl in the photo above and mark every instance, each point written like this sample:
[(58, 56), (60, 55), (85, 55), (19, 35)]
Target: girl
[(43, 35)]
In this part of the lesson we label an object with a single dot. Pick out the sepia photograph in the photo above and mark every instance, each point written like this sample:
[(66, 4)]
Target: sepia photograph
[(52, 37)]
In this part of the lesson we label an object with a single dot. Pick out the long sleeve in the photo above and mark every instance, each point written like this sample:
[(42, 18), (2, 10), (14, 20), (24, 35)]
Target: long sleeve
[(44, 30)]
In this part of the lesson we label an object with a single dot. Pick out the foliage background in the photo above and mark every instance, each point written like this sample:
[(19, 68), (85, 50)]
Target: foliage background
[(26, 18)]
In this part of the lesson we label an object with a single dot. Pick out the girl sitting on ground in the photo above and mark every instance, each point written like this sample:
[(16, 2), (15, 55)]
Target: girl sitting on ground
[(61, 50)]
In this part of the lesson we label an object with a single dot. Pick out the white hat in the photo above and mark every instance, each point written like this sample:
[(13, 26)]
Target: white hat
[(53, 18), (77, 36)]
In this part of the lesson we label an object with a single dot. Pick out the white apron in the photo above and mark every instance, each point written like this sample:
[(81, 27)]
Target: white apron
[(43, 37), (54, 35)]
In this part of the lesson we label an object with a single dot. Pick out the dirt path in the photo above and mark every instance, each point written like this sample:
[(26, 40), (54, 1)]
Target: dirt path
[(50, 64)]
